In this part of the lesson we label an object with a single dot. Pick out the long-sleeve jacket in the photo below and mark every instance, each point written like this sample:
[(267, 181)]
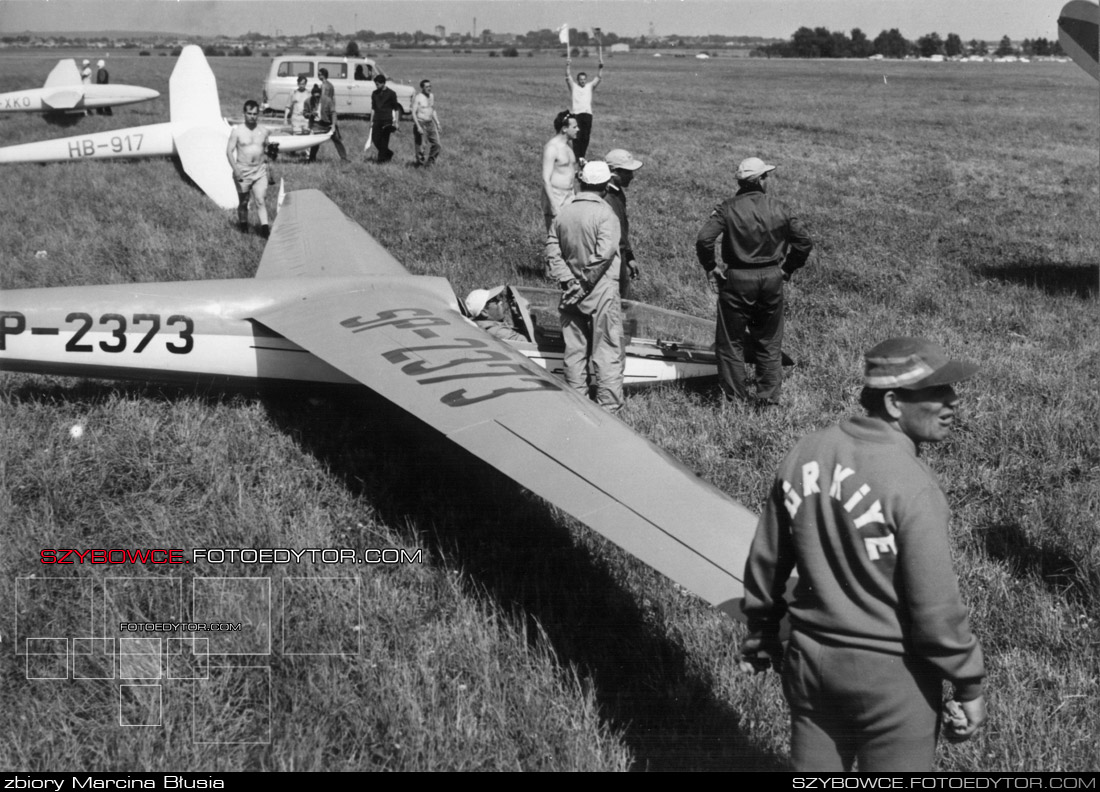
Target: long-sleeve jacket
[(757, 231), (865, 522), (583, 241), (383, 105), (616, 199)]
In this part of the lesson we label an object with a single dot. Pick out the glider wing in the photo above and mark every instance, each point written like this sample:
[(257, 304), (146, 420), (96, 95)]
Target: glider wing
[(404, 338)]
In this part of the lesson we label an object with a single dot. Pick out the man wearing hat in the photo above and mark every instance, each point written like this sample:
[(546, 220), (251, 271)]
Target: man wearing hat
[(102, 77), (582, 253), (488, 310), (877, 622), (622, 164), (762, 244)]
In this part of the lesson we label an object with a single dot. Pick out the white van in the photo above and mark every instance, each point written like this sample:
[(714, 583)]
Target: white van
[(353, 79)]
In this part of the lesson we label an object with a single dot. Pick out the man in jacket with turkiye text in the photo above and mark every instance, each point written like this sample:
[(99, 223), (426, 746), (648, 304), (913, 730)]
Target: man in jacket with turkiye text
[(877, 621)]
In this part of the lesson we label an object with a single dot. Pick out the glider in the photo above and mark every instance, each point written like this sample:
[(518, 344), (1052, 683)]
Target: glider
[(197, 133), (1077, 33), (65, 92), (338, 308)]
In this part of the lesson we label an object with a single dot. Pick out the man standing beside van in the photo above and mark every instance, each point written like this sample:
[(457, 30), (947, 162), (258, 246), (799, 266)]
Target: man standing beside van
[(296, 114), (385, 112), (328, 112)]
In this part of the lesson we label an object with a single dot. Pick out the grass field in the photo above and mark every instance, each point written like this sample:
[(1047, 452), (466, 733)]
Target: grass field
[(958, 202)]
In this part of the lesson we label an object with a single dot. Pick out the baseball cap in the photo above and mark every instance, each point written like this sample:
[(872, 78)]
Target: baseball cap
[(911, 364), (479, 298), (621, 158), (752, 169), (595, 172)]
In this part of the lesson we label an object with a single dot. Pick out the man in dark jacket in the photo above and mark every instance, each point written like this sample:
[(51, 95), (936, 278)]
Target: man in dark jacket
[(762, 244), (385, 112), (622, 164)]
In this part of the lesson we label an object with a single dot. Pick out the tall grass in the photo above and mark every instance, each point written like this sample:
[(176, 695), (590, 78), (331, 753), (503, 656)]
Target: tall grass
[(953, 201)]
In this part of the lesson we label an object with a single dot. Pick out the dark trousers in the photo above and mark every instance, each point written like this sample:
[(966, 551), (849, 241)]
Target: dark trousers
[(850, 705), (321, 127), (584, 133), (380, 137), (750, 315)]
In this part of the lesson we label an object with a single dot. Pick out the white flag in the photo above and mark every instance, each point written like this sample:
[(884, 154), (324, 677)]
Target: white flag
[(563, 34)]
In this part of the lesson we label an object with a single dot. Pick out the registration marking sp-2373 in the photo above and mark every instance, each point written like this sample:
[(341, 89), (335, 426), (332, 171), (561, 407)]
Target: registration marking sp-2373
[(181, 327), (480, 361)]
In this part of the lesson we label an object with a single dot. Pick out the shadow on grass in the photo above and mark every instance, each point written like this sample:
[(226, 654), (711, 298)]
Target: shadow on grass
[(1058, 571), (510, 545), (1056, 279)]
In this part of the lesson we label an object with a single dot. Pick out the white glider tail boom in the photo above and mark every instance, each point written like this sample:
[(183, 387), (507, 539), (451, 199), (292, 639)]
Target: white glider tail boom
[(344, 310)]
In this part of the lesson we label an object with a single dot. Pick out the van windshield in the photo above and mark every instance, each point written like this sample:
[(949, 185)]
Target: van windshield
[(301, 68)]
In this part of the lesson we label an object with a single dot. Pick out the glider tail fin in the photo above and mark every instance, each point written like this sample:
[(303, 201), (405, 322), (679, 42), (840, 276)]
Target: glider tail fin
[(64, 75)]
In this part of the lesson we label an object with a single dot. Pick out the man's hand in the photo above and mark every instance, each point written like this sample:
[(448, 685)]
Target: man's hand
[(572, 293), (961, 719), (632, 270), (717, 280), (761, 652)]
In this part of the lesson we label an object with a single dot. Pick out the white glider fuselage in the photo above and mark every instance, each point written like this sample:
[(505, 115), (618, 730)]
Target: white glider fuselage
[(197, 333), (77, 98)]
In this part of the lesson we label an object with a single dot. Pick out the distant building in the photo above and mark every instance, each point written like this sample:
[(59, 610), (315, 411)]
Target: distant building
[(440, 32), (620, 48)]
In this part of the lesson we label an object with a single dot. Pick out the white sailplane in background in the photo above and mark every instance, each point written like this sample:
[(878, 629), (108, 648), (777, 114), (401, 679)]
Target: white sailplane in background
[(64, 92), (197, 133)]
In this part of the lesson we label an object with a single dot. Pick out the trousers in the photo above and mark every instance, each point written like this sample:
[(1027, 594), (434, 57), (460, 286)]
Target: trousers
[(593, 330), (750, 312), (431, 138), (851, 704)]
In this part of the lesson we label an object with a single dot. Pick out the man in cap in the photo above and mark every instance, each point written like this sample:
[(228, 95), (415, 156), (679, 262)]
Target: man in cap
[(559, 167), (582, 253), (384, 115), (623, 165), (102, 77), (762, 244), (489, 311), (877, 622)]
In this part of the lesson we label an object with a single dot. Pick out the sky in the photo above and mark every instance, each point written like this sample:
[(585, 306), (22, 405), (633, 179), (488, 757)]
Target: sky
[(981, 19)]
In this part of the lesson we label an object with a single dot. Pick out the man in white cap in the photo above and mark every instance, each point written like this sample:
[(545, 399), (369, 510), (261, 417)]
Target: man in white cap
[(877, 622), (86, 71), (582, 253), (623, 165), (102, 77), (488, 310), (762, 244)]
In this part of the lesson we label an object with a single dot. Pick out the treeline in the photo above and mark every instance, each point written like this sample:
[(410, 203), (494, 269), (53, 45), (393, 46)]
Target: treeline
[(822, 43)]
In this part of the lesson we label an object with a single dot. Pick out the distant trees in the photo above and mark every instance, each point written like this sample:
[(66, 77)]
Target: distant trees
[(929, 45), (891, 44), (352, 50), (822, 43)]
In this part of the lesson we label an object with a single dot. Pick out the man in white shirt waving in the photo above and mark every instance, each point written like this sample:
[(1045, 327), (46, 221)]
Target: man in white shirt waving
[(581, 92)]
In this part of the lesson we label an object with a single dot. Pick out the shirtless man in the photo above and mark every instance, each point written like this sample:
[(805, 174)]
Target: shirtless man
[(559, 166), (247, 156)]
